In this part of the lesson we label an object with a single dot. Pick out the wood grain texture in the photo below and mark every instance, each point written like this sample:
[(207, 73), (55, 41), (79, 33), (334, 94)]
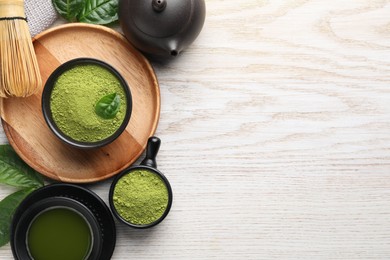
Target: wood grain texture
[(32, 139), (275, 128)]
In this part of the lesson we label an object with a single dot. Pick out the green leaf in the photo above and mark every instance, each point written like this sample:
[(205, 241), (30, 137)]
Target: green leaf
[(69, 9), (99, 12), (7, 209), (15, 172), (108, 106)]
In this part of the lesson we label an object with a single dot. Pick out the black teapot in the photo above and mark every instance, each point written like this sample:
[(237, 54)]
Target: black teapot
[(161, 27)]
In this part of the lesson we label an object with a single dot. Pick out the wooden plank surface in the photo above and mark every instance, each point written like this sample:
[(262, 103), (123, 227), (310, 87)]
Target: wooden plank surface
[(275, 128)]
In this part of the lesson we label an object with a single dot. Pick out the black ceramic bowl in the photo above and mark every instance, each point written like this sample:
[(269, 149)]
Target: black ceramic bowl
[(47, 113), (41, 206), (84, 202), (149, 163)]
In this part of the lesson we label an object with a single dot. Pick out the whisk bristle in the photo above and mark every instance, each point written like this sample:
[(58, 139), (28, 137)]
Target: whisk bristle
[(19, 70)]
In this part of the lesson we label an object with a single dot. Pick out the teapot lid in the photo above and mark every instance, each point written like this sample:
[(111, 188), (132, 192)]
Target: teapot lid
[(161, 18)]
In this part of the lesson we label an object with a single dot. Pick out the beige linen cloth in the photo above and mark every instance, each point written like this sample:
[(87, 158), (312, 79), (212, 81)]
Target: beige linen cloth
[(40, 15)]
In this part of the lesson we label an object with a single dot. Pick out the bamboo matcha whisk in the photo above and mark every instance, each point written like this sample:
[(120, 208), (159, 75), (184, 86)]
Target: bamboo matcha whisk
[(19, 69)]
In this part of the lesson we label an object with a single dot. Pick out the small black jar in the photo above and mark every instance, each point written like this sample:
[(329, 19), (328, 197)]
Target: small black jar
[(149, 164)]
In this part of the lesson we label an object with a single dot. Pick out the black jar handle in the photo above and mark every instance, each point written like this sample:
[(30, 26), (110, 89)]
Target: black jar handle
[(151, 152)]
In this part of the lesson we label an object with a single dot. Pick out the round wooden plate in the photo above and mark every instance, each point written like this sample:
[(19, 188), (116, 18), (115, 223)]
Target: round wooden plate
[(31, 138)]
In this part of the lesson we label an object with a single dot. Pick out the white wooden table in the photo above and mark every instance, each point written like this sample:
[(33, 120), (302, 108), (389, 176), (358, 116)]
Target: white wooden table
[(275, 128)]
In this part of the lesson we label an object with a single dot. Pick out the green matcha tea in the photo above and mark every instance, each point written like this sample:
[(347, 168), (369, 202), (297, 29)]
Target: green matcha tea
[(60, 234), (74, 97), (140, 197)]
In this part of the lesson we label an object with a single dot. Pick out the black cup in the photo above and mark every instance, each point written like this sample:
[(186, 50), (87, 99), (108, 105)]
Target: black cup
[(149, 163), (21, 230), (81, 200), (47, 114)]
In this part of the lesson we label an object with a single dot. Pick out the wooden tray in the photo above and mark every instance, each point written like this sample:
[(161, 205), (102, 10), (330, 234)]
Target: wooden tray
[(31, 138)]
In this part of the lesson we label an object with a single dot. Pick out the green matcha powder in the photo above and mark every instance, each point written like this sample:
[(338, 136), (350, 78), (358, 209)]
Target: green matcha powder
[(73, 101), (140, 197)]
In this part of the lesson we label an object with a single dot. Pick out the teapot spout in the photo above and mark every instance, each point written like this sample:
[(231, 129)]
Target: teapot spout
[(174, 52), (173, 48)]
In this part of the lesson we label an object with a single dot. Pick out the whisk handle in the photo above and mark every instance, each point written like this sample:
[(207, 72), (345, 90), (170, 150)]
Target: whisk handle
[(12, 9)]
